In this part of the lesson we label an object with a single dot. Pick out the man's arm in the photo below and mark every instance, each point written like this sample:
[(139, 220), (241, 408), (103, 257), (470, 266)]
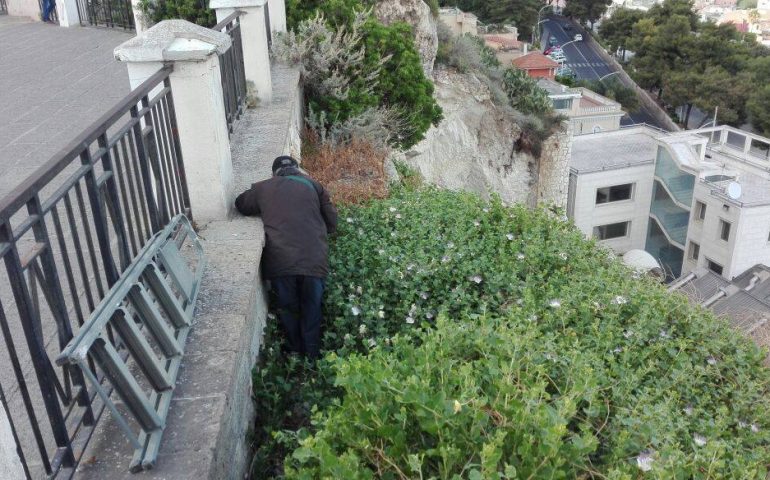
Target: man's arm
[(328, 211), (247, 203)]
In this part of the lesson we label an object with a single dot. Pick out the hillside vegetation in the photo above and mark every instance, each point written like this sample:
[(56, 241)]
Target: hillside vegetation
[(468, 339)]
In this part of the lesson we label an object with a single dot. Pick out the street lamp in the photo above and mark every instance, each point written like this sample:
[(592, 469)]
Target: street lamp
[(537, 25), (608, 75)]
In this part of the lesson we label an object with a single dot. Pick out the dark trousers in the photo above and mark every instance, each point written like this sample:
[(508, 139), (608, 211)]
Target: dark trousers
[(48, 6), (299, 308)]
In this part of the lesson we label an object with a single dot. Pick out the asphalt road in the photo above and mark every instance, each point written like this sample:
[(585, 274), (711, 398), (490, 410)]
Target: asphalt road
[(586, 62)]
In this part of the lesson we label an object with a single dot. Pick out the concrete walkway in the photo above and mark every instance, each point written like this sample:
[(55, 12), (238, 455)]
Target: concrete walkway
[(54, 82)]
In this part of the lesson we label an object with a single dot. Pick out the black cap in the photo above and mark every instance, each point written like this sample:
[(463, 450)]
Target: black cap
[(284, 161)]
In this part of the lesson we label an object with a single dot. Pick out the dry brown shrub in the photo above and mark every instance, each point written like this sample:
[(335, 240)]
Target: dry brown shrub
[(353, 172)]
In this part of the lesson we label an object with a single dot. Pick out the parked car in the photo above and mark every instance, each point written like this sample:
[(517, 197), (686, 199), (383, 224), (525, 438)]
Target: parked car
[(550, 50), (565, 71), (557, 56), (578, 37), (553, 41)]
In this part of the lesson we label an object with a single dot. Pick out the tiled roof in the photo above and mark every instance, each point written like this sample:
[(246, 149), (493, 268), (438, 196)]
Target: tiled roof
[(534, 60), (506, 42)]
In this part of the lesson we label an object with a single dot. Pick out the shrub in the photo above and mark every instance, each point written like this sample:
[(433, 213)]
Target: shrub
[(362, 65), (550, 359), (195, 11), (353, 172)]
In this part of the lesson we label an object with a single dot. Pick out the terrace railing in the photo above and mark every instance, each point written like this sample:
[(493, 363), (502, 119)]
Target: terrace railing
[(68, 232), (232, 69)]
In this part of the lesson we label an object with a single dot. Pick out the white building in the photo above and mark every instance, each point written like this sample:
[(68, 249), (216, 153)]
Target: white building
[(699, 198), (459, 22), (588, 111)]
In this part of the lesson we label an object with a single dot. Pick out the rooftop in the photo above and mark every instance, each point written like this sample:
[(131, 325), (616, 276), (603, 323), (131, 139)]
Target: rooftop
[(534, 60), (744, 302), (622, 148), (556, 89)]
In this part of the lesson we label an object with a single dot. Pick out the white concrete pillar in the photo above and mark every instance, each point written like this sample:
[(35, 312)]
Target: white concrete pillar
[(10, 463), (68, 13), (140, 22), (277, 10), (196, 85), (256, 54)]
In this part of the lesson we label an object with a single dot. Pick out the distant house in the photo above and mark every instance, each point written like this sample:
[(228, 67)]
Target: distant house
[(459, 22), (506, 45), (536, 65), (588, 111)]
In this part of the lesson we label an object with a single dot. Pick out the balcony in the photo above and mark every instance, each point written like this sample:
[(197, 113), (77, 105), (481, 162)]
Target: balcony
[(672, 218), (677, 183)]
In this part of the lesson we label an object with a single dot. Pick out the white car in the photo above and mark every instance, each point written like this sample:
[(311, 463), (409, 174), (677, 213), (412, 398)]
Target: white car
[(578, 37), (557, 56)]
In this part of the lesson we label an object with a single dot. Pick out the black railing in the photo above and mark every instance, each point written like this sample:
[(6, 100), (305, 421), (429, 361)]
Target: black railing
[(106, 13), (232, 71), (67, 232)]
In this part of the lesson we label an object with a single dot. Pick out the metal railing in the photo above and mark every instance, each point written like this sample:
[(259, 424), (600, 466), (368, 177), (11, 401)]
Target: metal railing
[(106, 13), (68, 231), (232, 69)]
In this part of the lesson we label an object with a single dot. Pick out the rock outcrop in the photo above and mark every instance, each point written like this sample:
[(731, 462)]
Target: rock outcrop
[(416, 13), (474, 148)]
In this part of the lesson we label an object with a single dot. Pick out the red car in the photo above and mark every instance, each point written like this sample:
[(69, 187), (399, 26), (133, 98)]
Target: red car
[(550, 50)]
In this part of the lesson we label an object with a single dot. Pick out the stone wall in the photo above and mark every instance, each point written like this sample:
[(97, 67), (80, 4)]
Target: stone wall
[(552, 183), (24, 8), (644, 96)]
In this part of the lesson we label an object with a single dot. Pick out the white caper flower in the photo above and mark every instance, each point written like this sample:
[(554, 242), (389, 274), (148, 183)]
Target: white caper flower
[(445, 259), (476, 223), (619, 300), (348, 337), (617, 350), (554, 303), (645, 460), (742, 424), (520, 301), (392, 209), (476, 279), (356, 311), (409, 320), (520, 256), (423, 295), (450, 245), (711, 360), (699, 439), (381, 251), (563, 256), (349, 220), (755, 428), (398, 216), (372, 343), (381, 314), (359, 290), (429, 315), (532, 318), (509, 236), (362, 329), (664, 334)]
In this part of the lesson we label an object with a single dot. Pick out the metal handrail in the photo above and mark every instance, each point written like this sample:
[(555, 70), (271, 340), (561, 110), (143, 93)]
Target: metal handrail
[(232, 70), (68, 231)]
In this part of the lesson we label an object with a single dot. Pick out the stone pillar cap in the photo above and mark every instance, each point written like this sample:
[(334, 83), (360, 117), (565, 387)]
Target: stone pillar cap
[(173, 40), (236, 3)]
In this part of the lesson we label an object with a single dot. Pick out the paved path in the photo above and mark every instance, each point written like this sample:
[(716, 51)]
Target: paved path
[(54, 82)]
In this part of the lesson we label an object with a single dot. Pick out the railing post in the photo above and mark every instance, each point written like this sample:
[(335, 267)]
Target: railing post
[(277, 15), (11, 465), (196, 86), (254, 35), (68, 13)]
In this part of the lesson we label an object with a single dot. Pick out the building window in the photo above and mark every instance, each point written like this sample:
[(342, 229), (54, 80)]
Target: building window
[(613, 230), (700, 210), (694, 251), (562, 104), (715, 267), (724, 230), (614, 194)]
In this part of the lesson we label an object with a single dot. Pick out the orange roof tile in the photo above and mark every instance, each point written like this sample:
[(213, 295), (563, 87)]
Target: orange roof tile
[(534, 60)]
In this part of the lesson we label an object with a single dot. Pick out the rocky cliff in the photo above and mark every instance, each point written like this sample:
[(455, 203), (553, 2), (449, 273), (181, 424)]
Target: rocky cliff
[(474, 148), (418, 15)]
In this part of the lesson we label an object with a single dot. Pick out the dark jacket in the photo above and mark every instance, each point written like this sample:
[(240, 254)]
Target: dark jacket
[(298, 214)]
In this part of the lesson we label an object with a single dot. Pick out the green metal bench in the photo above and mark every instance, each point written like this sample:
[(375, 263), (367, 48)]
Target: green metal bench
[(137, 334)]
